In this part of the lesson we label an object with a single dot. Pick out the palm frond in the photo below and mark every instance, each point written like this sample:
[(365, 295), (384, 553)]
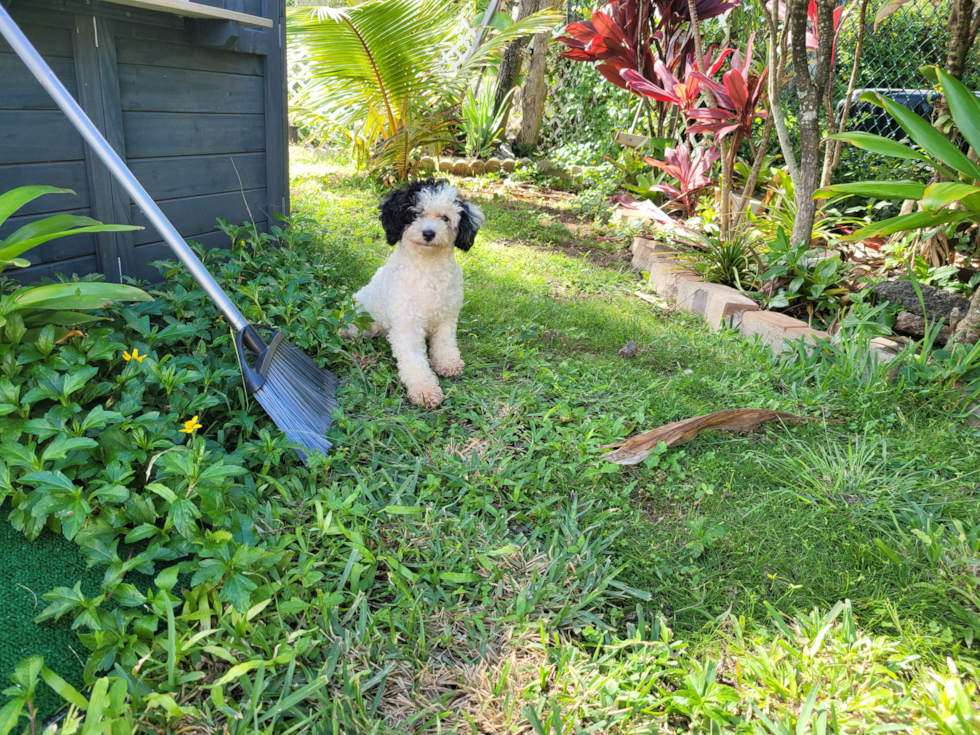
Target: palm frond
[(391, 70)]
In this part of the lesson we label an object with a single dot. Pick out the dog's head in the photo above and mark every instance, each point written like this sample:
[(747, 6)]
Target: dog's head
[(430, 214)]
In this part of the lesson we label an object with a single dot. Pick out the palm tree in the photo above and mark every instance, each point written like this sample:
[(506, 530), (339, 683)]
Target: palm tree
[(391, 73)]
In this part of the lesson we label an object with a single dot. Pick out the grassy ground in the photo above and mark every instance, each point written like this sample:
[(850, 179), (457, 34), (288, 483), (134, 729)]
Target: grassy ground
[(725, 535)]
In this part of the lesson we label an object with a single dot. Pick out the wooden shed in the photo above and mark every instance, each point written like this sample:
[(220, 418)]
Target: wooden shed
[(191, 94)]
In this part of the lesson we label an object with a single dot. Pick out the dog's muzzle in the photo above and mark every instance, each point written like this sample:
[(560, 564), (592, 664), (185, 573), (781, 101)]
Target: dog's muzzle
[(428, 235)]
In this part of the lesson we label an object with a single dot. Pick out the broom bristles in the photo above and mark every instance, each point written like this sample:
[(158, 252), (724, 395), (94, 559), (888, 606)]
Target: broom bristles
[(299, 397)]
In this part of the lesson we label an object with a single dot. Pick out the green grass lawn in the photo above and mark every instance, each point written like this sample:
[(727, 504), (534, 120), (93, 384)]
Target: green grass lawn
[(730, 541)]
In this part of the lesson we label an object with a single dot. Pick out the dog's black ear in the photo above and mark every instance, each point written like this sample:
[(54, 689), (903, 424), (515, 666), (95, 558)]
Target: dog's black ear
[(470, 219), (395, 210)]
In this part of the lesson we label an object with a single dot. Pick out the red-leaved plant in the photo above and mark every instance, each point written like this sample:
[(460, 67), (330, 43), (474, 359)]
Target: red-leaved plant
[(636, 35), (672, 90), (739, 97), (691, 172)]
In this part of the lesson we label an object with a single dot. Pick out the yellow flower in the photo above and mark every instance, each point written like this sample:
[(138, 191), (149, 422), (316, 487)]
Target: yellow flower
[(135, 355), (190, 426)]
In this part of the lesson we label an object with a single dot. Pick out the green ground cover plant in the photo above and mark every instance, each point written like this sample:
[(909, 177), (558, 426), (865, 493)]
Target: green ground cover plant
[(480, 568)]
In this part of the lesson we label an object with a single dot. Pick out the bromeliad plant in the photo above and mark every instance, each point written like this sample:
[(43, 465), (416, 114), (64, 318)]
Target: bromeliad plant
[(479, 122)]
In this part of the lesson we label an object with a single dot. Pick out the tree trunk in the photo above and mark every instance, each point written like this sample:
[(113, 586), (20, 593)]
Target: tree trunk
[(726, 171), (962, 33), (777, 62), (535, 92), (811, 89), (510, 64), (851, 84)]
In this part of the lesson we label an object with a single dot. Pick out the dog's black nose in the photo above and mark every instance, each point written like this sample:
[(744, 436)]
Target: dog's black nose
[(428, 235)]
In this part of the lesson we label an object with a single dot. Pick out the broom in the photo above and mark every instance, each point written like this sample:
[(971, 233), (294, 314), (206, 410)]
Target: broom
[(297, 394)]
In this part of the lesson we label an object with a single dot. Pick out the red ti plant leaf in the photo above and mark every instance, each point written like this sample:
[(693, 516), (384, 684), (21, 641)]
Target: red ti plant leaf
[(691, 172), (612, 40), (740, 98), (671, 90)]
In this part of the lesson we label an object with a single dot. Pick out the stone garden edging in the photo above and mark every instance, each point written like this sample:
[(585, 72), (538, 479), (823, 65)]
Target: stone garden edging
[(722, 306), (479, 167)]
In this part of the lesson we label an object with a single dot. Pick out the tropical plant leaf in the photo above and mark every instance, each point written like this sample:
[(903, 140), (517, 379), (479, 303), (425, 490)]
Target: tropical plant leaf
[(85, 295), (931, 140), (888, 9), (51, 228), (964, 107), (907, 222), (880, 145), (876, 189), (60, 318), (14, 199), (945, 193), (637, 448)]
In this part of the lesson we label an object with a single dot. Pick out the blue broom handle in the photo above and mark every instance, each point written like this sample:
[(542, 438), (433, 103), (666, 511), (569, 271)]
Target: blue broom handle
[(39, 67)]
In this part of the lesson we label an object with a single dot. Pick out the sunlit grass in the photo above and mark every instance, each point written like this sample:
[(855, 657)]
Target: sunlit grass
[(725, 528)]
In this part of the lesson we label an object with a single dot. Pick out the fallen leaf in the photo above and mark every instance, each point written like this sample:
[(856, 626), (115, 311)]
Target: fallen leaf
[(69, 335), (637, 448)]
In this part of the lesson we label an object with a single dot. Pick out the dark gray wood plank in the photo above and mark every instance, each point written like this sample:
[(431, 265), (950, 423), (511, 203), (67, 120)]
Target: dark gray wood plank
[(32, 136), (115, 249), (169, 178), (43, 33), (77, 266), (194, 216), (87, 51), (63, 175), (155, 53), (254, 7), (21, 91), (276, 145), (159, 134), (166, 89)]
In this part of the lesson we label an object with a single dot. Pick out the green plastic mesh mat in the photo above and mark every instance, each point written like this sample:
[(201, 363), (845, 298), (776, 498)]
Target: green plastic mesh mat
[(28, 569)]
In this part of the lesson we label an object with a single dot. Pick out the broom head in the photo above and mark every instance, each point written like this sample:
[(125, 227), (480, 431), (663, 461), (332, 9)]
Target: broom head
[(298, 394)]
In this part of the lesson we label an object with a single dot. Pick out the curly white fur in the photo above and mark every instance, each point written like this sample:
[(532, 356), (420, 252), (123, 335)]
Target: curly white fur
[(418, 292)]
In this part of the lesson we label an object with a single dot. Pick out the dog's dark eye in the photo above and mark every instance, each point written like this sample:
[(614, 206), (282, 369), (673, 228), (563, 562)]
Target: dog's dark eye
[(445, 218)]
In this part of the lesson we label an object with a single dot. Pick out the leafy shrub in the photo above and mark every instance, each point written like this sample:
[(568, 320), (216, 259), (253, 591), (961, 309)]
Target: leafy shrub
[(728, 262), (803, 275), (480, 124), (185, 465)]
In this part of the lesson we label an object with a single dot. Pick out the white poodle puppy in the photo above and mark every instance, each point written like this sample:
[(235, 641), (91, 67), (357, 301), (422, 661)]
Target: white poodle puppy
[(418, 292)]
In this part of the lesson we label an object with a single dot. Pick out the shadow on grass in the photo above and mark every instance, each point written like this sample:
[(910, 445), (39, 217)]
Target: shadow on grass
[(705, 528)]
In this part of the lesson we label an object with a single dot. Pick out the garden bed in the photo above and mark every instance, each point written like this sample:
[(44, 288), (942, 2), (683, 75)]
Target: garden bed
[(725, 307)]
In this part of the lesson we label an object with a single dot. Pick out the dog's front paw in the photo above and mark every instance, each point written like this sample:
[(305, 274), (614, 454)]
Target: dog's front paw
[(427, 396), (452, 368)]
